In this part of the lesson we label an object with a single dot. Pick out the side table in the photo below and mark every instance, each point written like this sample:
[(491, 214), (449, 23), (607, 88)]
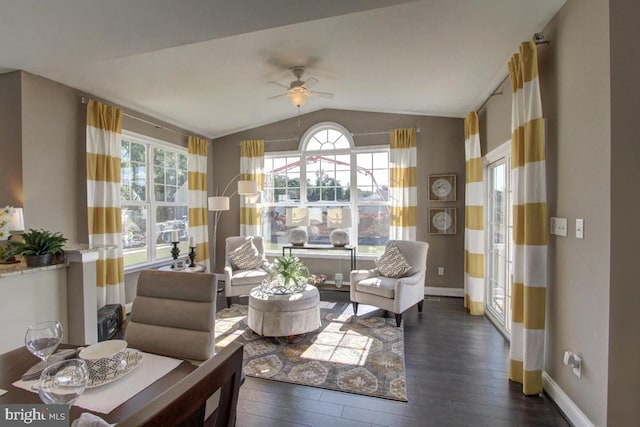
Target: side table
[(199, 268)]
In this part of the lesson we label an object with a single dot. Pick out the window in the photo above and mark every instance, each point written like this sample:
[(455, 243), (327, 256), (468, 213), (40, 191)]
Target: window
[(328, 173), (499, 237), (153, 195)]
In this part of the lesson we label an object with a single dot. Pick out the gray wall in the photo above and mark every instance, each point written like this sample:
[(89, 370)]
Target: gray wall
[(10, 140), (624, 293), (42, 141), (440, 149), (574, 76)]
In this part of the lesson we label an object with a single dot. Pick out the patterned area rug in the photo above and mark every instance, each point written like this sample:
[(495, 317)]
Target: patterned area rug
[(356, 355)]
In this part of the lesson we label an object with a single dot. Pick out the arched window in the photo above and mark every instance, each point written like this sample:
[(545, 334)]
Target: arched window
[(328, 172)]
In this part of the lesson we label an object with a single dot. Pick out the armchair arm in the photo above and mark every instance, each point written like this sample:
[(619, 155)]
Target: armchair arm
[(409, 290), (357, 275)]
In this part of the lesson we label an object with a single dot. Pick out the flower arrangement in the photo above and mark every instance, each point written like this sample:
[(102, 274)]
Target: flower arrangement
[(5, 222), (287, 275)]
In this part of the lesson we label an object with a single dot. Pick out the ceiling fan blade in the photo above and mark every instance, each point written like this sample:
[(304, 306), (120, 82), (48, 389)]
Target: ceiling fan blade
[(276, 96), (327, 95), (278, 84), (311, 81)]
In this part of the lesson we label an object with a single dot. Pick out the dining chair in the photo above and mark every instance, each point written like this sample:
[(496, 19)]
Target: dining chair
[(173, 314), (398, 284), (184, 403)]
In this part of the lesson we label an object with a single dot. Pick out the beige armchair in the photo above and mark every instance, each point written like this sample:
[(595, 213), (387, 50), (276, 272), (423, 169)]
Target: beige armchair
[(173, 314), (390, 294), (240, 282)]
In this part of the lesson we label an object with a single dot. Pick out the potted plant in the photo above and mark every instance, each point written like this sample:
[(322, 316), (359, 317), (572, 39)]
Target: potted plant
[(287, 275), (39, 247)]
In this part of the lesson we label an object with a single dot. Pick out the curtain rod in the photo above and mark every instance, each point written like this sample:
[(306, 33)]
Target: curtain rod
[(140, 119), (538, 39), (352, 134)]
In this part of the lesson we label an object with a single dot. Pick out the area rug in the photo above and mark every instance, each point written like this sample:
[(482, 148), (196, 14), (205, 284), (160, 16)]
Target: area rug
[(356, 355)]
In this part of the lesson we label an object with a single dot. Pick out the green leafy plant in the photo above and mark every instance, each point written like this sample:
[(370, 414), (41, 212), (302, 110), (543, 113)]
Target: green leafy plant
[(39, 242), (290, 272)]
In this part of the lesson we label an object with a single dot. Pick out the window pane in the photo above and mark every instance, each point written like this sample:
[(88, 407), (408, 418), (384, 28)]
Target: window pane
[(373, 228), (138, 153), (365, 160), (159, 192), (170, 160), (158, 157), (168, 219), (134, 235)]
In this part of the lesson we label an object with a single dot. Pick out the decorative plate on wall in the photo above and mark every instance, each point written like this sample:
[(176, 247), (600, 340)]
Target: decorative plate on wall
[(442, 221), (442, 188)]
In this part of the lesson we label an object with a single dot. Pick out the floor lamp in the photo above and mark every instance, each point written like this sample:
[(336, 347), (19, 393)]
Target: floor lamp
[(220, 203)]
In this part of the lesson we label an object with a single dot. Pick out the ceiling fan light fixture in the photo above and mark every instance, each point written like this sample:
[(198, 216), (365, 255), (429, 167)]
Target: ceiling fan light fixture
[(298, 96)]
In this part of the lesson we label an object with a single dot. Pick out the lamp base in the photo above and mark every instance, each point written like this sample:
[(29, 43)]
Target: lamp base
[(339, 238)]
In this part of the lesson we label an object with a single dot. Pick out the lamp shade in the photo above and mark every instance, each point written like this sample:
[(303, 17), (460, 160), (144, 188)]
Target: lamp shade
[(297, 217), (16, 220), (247, 188), (338, 218), (218, 203)]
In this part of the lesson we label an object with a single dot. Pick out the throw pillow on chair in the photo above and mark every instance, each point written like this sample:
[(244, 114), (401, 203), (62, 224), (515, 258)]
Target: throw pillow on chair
[(392, 263), (246, 257)]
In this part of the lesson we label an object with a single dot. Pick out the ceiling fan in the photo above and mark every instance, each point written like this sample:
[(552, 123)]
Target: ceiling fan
[(299, 90)]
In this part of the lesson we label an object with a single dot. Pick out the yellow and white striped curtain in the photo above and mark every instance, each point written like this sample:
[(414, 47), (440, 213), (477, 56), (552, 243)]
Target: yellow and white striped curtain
[(529, 279), (251, 169), (403, 195), (197, 198), (104, 134), (473, 219)]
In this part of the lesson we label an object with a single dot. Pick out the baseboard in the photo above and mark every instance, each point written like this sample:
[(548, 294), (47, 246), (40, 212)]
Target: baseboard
[(564, 402), (444, 292)]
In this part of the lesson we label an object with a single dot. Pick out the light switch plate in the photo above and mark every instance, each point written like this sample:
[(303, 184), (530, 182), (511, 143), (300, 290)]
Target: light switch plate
[(579, 228), (558, 226)]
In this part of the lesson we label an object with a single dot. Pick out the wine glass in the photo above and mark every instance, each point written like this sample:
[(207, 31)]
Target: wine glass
[(63, 382), (43, 338)]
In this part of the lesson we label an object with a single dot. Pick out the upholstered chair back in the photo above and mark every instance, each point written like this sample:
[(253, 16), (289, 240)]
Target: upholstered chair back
[(235, 242), (173, 314), (415, 253)]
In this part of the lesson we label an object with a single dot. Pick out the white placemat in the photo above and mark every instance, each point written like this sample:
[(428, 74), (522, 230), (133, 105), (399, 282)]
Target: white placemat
[(106, 398)]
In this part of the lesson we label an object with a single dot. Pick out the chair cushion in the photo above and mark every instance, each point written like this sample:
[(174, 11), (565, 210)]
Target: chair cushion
[(247, 277), (246, 256), (392, 263), (380, 285)]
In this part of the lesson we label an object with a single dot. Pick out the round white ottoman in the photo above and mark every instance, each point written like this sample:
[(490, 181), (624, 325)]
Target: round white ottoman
[(284, 315)]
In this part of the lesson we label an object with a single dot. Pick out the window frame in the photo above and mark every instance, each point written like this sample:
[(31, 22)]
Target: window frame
[(151, 143), (302, 154), (500, 155)]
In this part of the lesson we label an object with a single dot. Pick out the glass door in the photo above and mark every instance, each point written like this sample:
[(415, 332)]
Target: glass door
[(499, 242)]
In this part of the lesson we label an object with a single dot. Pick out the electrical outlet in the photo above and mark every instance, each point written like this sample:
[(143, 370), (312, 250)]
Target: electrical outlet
[(577, 366), (440, 271), (558, 226)]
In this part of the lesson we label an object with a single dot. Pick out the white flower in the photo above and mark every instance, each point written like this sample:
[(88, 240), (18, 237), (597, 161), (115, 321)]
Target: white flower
[(5, 225)]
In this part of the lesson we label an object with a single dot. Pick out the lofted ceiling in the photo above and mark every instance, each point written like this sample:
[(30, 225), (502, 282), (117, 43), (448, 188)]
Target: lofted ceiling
[(204, 65)]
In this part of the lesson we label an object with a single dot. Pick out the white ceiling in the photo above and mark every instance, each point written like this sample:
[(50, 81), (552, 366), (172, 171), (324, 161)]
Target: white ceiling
[(204, 65)]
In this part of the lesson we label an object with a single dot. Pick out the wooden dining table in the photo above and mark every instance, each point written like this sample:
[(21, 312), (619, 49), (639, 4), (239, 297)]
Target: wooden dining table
[(16, 362)]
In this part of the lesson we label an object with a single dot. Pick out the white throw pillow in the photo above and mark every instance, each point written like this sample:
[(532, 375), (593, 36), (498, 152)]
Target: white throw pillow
[(246, 256), (392, 263)]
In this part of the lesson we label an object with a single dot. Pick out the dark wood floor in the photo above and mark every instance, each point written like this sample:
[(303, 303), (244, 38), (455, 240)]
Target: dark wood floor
[(456, 376)]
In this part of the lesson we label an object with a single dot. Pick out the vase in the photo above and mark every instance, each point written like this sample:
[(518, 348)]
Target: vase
[(38, 260)]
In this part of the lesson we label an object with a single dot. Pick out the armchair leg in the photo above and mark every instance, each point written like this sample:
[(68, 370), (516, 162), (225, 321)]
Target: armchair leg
[(355, 308), (228, 302), (398, 319), (420, 306)]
